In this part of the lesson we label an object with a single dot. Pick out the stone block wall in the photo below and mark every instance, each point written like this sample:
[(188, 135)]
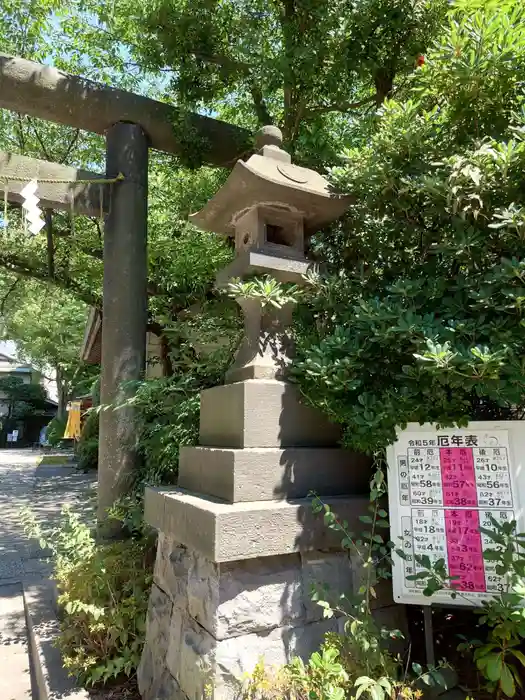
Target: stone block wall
[(210, 623)]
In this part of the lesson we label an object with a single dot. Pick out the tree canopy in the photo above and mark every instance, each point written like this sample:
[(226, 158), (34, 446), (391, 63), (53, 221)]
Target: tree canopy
[(416, 107), (22, 400), (67, 254), (310, 66), (242, 61), (48, 332), (423, 318)]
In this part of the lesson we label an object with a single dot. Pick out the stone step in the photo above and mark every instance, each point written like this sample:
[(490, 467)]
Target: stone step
[(271, 473), (15, 665), (227, 532)]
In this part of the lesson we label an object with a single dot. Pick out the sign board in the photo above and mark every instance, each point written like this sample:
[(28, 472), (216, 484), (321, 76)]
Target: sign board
[(14, 435), (442, 485)]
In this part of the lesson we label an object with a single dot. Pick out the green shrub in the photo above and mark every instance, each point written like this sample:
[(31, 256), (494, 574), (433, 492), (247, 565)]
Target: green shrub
[(56, 430), (87, 448), (322, 678), (168, 418), (326, 676), (104, 591), (87, 452), (422, 318)]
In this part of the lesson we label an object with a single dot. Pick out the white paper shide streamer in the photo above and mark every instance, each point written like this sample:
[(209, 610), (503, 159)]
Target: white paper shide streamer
[(32, 213)]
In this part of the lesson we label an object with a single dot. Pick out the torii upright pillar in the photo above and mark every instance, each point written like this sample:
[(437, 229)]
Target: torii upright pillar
[(124, 319)]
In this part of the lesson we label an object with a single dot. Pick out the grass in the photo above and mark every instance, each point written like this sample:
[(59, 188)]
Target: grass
[(55, 459)]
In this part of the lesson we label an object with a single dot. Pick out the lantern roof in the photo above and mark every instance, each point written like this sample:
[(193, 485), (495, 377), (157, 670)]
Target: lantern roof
[(269, 178)]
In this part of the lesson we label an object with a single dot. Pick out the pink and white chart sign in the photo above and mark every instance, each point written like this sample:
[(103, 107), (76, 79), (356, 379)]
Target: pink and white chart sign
[(443, 485)]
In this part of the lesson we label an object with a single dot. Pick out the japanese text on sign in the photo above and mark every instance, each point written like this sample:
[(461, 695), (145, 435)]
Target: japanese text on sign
[(444, 486)]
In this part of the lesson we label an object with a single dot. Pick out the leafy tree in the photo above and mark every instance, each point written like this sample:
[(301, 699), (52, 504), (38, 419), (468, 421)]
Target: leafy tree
[(301, 64), (68, 257), (424, 319), (67, 254), (49, 334), (22, 400), (17, 392), (138, 46)]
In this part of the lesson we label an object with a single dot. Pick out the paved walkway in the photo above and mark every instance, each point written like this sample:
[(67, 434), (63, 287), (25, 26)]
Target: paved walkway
[(45, 489)]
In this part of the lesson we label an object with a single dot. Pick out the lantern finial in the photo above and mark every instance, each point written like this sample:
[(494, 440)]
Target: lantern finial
[(268, 136)]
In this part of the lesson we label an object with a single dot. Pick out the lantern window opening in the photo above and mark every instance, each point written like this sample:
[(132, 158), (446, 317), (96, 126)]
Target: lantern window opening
[(280, 235)]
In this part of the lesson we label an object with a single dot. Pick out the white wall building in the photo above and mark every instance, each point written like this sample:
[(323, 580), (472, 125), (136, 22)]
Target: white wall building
[(10, 366)]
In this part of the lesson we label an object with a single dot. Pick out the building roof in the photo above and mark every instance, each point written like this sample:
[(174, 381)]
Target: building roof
[(91, 349), (10, 364), (8, 360)]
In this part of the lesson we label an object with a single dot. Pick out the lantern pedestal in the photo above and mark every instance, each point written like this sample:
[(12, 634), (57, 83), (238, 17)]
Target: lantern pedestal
[(239, 547)]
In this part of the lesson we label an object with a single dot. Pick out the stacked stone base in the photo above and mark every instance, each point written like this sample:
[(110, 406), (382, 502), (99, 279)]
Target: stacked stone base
[(209, 624), (240, 548)]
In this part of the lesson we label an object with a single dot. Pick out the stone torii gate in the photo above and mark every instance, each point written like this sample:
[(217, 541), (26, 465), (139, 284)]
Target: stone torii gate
[(131, 124)]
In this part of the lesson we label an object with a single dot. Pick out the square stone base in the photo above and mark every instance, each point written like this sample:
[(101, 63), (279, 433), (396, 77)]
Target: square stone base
[(225, 532), (209, 624)]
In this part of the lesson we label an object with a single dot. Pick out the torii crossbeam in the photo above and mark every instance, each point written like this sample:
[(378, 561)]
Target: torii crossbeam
[(45, 92), (131, 124), (69, 191)]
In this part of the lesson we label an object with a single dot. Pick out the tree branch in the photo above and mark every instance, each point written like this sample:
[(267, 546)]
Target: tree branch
[(6, 296), (99, 230), (19, 266), (261, 110), (165, 359), (230, 65), (133, 64), (340, 107), (20, 134), (48, 216), (384, 82), (290, 38), (45, 152), (70, 146)]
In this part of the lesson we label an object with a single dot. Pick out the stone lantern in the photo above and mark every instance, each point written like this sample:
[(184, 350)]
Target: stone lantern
[(268, 206), (239, 547)]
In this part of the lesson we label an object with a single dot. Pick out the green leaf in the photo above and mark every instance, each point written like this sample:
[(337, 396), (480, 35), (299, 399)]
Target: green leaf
[(386, 684), (96, 674), (376, 692), (362, 680), (519, 655), (491, 555), (494, 663), (506, 681)]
